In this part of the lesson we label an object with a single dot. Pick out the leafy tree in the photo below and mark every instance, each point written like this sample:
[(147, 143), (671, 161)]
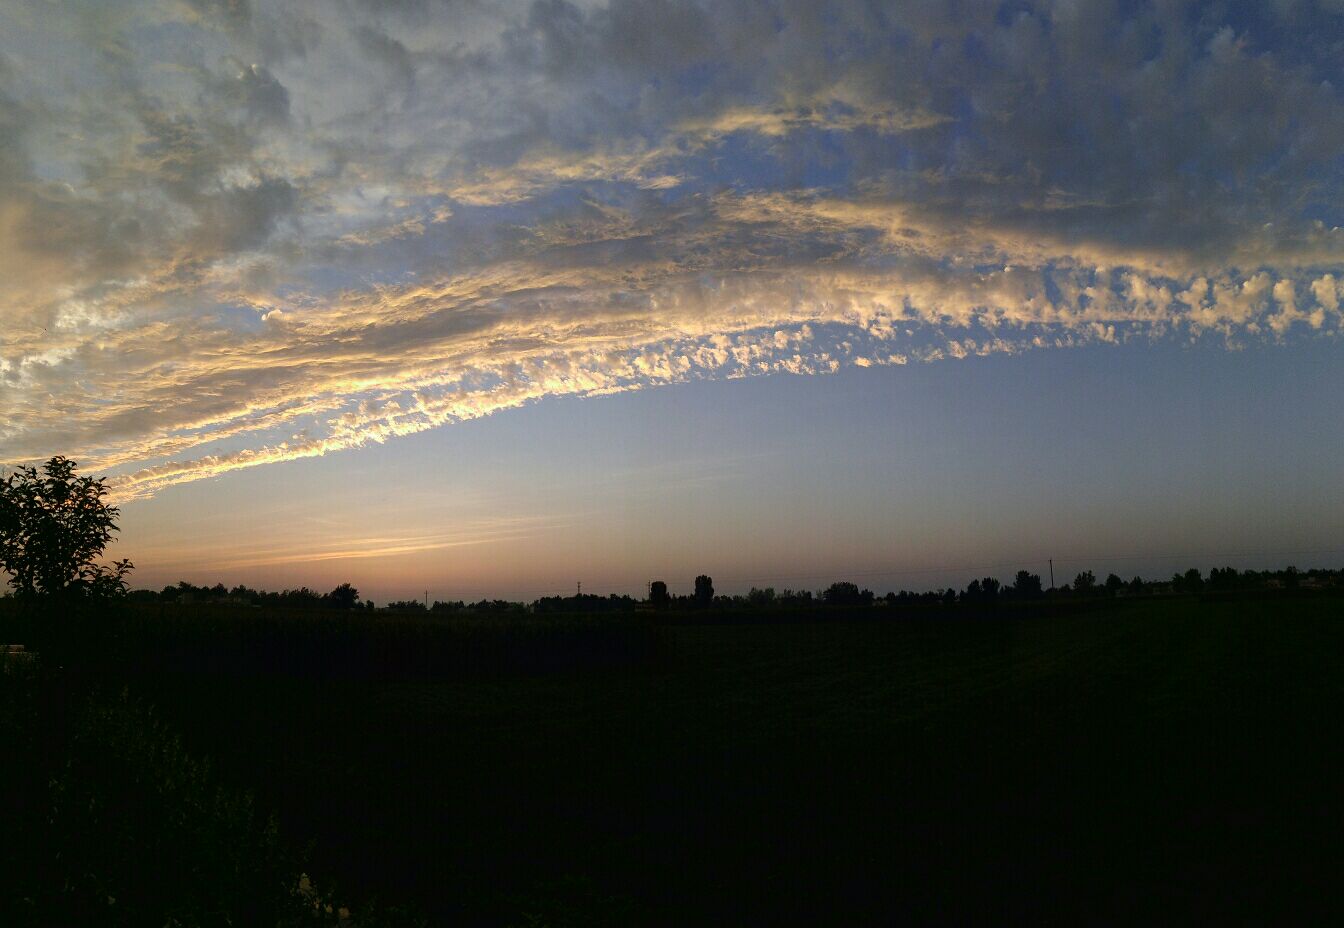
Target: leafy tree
[(1085, 583), (344, 596), (1113, 584), (495, 605), (658, 594), (704, 591), (840, 593), (53, 526), (586, 602), (303, 598), (1189, 582), (985, 590), (847, 594), (763, 597), (1027, 585)]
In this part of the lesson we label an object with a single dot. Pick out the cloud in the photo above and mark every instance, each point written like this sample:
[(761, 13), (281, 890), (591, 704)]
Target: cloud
[(236, 234), (822, 116), (543, 171)]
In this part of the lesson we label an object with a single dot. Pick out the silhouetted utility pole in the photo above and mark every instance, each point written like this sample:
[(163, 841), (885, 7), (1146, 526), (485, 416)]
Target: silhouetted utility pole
[(579, 589), (426, 600), (1052, 573)]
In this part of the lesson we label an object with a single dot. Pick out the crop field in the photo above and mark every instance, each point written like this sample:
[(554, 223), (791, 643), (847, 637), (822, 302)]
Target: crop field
[(1172, 759)]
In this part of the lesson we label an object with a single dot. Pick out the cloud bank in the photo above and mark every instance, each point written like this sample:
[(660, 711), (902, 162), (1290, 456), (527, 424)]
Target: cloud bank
[(241, 233)]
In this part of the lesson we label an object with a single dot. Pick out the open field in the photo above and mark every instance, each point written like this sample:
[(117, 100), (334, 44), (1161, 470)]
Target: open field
[(1174, 758)]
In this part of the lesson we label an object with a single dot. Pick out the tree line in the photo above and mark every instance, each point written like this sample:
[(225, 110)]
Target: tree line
[(1025, 587), (54, 526)]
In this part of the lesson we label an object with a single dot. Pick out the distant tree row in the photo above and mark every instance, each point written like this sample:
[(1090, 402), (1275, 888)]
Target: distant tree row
[(344, 596), (1026, 586), (54, 526), (1085, 585), (484, 605), (585, 602)]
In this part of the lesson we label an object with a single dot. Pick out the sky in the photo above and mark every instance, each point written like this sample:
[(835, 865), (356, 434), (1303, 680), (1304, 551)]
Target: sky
[(492, 298)]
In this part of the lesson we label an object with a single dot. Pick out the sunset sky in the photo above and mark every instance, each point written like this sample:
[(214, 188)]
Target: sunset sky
[(487, 298)]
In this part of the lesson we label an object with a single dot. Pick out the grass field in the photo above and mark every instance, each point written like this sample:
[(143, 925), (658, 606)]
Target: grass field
[(1163, 759)]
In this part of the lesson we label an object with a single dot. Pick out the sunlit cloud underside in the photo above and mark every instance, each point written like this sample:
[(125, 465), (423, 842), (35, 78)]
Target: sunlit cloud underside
[(234, 234)]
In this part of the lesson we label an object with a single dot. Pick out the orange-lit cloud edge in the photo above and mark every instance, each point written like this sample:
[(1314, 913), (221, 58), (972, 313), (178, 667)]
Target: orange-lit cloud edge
[(218, 341)]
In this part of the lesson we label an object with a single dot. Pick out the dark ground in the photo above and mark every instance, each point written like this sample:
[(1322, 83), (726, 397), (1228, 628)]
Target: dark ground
[(1158, 760)]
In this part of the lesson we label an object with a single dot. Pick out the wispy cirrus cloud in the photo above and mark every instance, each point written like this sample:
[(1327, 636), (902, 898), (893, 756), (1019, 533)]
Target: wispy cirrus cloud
[(240, 234)]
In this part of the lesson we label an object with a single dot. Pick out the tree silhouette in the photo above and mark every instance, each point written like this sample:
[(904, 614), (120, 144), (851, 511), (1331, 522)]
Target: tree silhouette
[(1189, 582), (53, 526), (1291, 577), (658, 594), (763, 597), (845, 593), (704, 591), (1113, 584), (1226, 578), (344, 596), (1085, 583), (1027, 585)]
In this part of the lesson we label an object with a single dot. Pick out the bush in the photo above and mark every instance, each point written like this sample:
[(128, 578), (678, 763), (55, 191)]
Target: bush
[(108, 820)]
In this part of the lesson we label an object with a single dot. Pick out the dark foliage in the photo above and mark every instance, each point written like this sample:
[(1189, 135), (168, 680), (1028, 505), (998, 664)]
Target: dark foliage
[(330, 644), (107, 819), (658, 595), (54, 526), (584, 603), (983, 592), (949, 767), (344, 596), (930, 597), (1085, 584), (795, 598), (1188, 582), (758, 598), (1026, 585), (704, 591), (846, 594)]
